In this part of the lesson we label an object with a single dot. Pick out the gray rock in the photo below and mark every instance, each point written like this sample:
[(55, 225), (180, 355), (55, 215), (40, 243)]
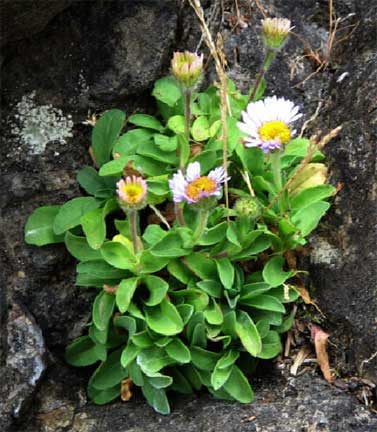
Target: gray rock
[(24, 367), (306, 403)]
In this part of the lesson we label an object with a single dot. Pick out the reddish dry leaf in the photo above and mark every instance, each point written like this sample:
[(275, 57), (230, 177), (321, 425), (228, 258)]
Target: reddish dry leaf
[(320, 339), (110, 289), (129, 170), (125, 392)]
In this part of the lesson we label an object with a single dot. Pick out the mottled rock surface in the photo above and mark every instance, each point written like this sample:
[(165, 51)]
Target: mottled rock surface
[(95, 55)]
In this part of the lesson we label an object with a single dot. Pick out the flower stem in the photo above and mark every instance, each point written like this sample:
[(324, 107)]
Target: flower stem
[(276, 169), (269, 58), (202, 224), (134, 231), (179, 214), (187, 97)]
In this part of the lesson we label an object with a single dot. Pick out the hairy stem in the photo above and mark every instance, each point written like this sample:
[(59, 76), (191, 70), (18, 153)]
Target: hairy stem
[(134, 231), (203, 218), (276, 169), (179, 214), (269, 58)]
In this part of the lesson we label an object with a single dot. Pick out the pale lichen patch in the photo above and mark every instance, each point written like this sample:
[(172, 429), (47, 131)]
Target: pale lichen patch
[(37, 125)]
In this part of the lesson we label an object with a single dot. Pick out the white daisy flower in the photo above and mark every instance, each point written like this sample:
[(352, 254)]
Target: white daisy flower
[(194, 187), (267, 123)]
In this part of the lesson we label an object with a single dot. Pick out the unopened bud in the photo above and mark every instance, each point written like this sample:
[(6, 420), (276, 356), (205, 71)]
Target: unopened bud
[(248, 207), (275, 32), (187, 67), (132, 192)]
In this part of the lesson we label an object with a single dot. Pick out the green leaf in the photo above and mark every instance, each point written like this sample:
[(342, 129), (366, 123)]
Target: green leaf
[(180, 383), (156, 398), (211, 287), (105, 133), (273, 272), (103, 309), (118, 255), (254, 289), (238, 386), (160, 381), (203, 359), (200, 129), (213, 314), (114, 167), (226, 271), (271, 345), (178, 351), (136, 374), (177, 124), (177, 269), (90, 181), (129, 353), (81, 352), (201, 266), (166, 143), (94, 227), (150, 263), (153, 234), (126, 322), (214, 235), (264, 302), (39, 226), (70, 213), (311, 195), (252, 159), (102, 397), (170, 246), (248, 333), (100, 269), (109, 373), (151, 151), (308, 218), (220, 376), (157, 288), (186, 311), (167, 90), (228, 359), (152, 360), (125, 292), (164, 318), (79, 248), (127, 143), (146, 121)]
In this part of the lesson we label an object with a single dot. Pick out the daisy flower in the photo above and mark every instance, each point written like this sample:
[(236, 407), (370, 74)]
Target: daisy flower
[(268, 123), (193, 187), (131, 192)]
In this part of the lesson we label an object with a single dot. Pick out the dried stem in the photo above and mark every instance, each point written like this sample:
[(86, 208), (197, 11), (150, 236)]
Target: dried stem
[(219, 59)]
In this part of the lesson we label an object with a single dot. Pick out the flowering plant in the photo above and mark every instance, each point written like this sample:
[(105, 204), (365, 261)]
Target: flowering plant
[(200, 294)]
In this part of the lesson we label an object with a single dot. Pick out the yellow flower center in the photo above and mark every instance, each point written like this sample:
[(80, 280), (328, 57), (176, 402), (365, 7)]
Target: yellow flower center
[(272, 130), (133, 192), (199, 186)]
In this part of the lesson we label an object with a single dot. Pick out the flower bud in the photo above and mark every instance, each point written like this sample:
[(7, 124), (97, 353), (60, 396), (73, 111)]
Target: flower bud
[(248, 207), (132, 192), (314, 174), (275, 32), (187, 68)]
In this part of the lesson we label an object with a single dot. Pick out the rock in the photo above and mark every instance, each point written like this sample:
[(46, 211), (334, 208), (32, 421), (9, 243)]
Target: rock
[(24, 19), (24, 367), (305, 403)]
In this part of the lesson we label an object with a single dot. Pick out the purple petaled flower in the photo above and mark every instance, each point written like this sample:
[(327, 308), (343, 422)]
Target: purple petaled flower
[(194, 187), (267, 123), (132, 192)]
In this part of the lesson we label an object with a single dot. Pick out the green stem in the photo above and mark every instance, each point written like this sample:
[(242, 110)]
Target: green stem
[(187, 97), (269, 58), (203, 218), (134, 231), (276, 169), (179, 214)]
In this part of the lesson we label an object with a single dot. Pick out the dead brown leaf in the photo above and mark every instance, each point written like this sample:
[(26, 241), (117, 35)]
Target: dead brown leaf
[(299, 359), (125, 392), (320, 339)]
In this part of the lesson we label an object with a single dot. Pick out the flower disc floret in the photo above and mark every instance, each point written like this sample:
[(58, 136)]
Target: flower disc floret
[(268, 123), (194, 187), (132, 192)]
